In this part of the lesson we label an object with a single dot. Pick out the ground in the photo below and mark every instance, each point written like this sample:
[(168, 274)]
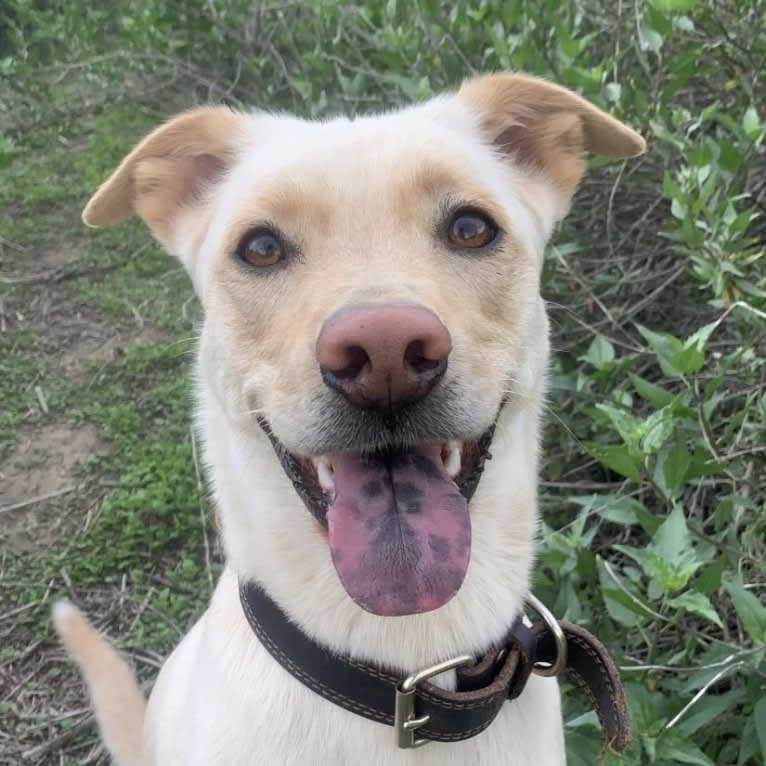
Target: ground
[(96, 342), (654, 476)]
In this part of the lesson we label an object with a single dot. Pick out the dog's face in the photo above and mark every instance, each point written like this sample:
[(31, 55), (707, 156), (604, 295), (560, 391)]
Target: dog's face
[(371, 293)]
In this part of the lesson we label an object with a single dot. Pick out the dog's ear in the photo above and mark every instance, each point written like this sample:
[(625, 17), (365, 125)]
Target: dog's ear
[(547, 127), (169, 170)]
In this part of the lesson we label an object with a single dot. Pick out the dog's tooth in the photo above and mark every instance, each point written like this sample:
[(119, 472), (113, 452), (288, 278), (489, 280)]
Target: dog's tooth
[(451, 457), (324, 474)]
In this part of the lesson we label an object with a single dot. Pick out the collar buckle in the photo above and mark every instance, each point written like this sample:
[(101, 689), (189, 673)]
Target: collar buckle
[(406, 722), (560, 662)]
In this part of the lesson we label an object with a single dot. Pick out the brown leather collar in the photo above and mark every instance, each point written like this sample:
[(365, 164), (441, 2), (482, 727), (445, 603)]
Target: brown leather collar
[(420, 711)]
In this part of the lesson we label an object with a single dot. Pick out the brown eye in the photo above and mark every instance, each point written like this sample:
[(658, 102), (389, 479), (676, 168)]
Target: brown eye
[(261, 248), (471, 229)]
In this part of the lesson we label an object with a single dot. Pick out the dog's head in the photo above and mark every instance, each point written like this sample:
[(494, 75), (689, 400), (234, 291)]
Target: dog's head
[(371, 293)]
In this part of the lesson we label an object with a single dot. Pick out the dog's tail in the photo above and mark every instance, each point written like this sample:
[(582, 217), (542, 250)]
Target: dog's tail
[(114, 691)]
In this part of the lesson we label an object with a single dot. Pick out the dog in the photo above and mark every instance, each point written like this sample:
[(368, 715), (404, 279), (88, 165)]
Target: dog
[(374, 333)]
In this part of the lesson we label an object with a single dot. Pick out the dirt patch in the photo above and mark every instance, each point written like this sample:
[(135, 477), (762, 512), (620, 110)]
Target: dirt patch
[(43, 465), (75, 338), (39, 303), (58, 257), (94, 341)]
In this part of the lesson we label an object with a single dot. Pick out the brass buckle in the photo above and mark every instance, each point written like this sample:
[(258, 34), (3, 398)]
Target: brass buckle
[(405, 721), (558, 665)]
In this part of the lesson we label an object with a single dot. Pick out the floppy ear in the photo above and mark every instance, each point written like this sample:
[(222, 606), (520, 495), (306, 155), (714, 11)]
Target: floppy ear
[(169, 170), (547, 127)]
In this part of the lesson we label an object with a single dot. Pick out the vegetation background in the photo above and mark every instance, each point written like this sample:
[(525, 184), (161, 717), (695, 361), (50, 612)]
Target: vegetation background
[(653, 486)]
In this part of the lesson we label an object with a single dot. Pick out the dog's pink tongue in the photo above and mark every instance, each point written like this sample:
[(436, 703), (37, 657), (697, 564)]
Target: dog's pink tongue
[(399, 531)]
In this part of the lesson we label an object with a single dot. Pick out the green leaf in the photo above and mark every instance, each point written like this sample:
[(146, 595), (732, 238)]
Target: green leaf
[(730, 157), (672, 747), (696, 343), (664, 134), (700, 155), (618, 458), (651, 392), (600, 353), (666, 347), (751, 124), (642, 556), (7, 150), (702, 465), (677, 6), (708, 709), (696, 603), (583, 747), (657, 429), (675, 357), (684, 23), (665, 575), (688, 360), (654, 16), (710, 580), (589, 719), (759, 718), (629, 427), (649, 39), (663, 344), (621, 608), (672, 189), (749, 609), (613, 91), (672, 539), (749, 744), (675, 465), (670, 559), (619, 509)]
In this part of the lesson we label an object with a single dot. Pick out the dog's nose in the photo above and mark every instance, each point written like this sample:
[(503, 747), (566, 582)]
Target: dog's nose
[(377, 356)]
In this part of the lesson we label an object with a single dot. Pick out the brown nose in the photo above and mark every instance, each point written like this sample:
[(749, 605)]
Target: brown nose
[(377, 356)]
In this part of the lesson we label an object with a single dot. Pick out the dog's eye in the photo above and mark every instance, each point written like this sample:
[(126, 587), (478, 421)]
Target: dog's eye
[(471, 229), (261, 248)]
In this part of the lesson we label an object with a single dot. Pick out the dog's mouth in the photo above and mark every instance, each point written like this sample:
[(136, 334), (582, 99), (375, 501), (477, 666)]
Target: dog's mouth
[(397, 519)]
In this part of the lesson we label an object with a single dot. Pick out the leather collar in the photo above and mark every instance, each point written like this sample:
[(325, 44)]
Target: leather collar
[(483, 686)]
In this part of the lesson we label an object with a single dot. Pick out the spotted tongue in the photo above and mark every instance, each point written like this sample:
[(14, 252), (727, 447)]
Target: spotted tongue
[(399, 530)]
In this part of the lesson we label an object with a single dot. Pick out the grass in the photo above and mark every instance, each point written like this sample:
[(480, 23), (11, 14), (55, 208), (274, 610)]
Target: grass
[(654, 479)]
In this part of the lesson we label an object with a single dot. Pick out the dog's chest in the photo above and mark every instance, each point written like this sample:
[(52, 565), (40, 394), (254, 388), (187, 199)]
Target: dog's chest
[(243, 709)]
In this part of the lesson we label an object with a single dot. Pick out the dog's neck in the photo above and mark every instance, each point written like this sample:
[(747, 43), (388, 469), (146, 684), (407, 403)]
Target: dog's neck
[(269, 536)]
